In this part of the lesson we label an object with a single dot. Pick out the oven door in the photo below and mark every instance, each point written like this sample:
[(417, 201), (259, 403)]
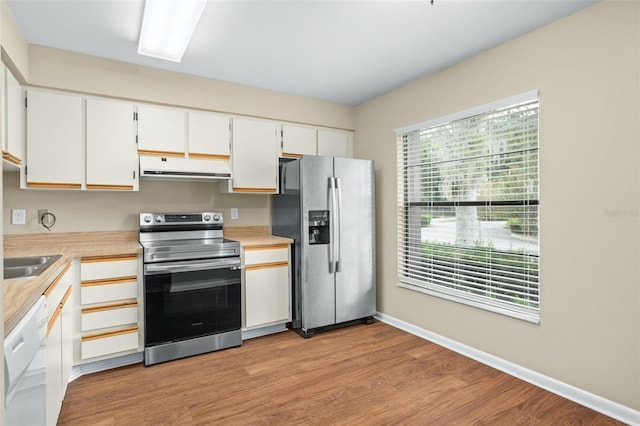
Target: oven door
[(190, 299)]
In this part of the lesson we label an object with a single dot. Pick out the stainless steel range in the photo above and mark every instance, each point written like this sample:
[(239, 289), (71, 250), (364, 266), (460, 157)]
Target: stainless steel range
[(191, 285)]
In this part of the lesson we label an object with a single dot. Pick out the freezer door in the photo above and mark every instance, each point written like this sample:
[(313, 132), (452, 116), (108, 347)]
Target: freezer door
[(355, 278), (317, 288)]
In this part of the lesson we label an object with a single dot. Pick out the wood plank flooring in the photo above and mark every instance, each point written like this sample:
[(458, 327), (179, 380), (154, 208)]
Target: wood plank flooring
[(359, 375)]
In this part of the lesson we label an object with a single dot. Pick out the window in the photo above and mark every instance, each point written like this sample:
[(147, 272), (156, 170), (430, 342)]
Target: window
[(468, 199)]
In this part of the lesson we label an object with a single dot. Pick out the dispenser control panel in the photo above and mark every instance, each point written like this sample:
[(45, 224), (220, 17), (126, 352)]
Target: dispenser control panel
[(319, 227)]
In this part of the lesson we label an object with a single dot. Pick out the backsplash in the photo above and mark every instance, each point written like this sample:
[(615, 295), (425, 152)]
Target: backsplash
[(83, 211)]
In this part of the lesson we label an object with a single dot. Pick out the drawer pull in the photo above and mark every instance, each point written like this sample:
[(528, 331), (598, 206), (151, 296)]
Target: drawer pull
[(109, 334), (109, 307)]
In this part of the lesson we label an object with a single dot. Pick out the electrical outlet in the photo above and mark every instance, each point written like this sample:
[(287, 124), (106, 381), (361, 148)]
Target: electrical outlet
[(42, 212), (18, 216), (234, 213)]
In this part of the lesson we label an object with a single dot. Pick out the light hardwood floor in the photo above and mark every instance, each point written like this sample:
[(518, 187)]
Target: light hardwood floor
[(359, 375)]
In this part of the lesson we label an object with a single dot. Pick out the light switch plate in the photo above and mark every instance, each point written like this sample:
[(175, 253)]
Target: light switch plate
[(234, 213), (18, 216)]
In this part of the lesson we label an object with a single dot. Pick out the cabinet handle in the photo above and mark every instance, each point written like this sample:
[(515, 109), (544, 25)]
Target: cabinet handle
[(109, 307), (48, 185), (109, 281), (111, 187), (267, 247), (109, 334), (55, 282), (266, 266), (109, 258), (242, 189)]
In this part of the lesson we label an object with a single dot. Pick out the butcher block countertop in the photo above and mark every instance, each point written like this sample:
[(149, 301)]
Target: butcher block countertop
[(20, 294)]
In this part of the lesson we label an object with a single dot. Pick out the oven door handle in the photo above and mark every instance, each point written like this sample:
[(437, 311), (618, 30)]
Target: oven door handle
[(163, 268)]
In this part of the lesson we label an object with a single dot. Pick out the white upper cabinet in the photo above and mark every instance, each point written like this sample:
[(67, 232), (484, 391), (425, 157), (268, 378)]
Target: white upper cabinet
[(298, 141), (13, 125), (54, 140), (209, 135), (335, 143), (254, 157), (112, 159), (161, 130)]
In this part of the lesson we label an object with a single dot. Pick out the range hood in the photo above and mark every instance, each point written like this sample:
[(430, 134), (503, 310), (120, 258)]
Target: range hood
[(179, 168)]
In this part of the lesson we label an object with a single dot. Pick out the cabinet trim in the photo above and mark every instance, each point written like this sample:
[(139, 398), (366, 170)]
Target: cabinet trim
[(56, 281), (115, 187), (109, 258), (267, 247), (11, 158), (109, 334), (54, 318), (49, 185), (109, 307), (66, 296), (161, 153), (108, 281), (209, 156), (266, 266), (291, 154), (242, 189)]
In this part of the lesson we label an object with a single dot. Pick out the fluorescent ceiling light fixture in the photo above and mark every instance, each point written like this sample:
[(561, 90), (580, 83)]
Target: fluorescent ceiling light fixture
[(167, 27)]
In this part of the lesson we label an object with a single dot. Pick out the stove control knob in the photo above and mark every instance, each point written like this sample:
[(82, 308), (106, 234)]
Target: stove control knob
[(158, 219), (207, 218), (216, 217), (147, 219)]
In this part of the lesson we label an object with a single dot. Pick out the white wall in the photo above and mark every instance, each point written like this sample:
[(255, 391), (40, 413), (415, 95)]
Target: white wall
[(586, 67)]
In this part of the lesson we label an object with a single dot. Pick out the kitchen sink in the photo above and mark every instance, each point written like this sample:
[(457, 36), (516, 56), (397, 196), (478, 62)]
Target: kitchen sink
[(27, 267)]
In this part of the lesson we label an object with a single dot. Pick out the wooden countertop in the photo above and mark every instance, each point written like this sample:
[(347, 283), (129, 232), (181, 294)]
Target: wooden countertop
[(20, 294)]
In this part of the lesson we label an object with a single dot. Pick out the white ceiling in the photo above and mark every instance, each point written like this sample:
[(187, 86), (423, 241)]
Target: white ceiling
[(340, 51)]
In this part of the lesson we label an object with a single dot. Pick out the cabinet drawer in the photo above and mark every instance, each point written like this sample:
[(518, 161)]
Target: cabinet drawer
[(109, 316), (100, 268), (108, 291), (110, 343), (266, 254)]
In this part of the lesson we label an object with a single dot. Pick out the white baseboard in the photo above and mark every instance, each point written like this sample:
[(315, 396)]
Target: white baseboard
[(582, 397), (106, 364), (259, 332)]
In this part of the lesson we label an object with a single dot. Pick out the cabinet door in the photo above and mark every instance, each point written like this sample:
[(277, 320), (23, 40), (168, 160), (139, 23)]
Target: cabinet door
[(66, 341), (298, 141), (54, 368), (335, 143), (14, 123), (254, 158), (209, 136), (161, 130), (112, 158), (266, 295), (54, 140)]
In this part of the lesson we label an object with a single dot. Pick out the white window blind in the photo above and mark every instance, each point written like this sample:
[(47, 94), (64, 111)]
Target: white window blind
[(468, 199)]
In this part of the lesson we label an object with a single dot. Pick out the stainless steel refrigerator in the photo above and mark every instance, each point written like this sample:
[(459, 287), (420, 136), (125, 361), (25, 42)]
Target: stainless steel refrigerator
[(326, 205)]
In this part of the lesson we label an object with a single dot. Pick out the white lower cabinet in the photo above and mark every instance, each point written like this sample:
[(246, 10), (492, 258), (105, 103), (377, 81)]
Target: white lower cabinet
[(267, 285), (54, 369), (110, 314), (59, 341)]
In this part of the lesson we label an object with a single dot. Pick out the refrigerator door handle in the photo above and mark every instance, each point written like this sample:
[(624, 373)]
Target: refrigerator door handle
[(338, 223), (332, 222)]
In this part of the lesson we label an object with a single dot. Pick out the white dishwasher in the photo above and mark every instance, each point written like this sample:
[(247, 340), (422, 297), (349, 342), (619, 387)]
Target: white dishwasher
[(25, 369)]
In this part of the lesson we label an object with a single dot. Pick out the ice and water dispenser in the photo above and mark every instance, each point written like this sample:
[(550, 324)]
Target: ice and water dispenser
[(318, 226)]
